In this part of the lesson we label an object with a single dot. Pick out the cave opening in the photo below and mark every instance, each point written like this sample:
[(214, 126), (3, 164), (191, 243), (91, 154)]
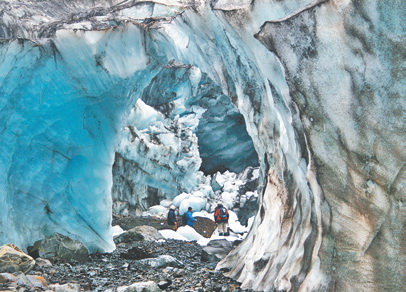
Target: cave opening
[(181, 138)]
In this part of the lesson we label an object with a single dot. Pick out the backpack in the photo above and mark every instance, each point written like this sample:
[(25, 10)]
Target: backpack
[(223, 213), (184, 219)]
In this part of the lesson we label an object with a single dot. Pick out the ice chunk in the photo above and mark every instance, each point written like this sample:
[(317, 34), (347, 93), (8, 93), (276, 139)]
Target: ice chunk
[(171, 234), (166, 203), (197, 203), (178, 199), (117, 230), (158, 211), (228, 199), (189, 233)]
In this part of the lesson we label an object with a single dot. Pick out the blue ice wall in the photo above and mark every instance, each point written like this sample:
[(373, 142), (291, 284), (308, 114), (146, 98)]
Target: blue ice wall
[(59, 113)]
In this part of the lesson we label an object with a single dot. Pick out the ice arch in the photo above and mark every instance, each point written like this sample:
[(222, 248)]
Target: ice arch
[(67, 97), (182, 129), (332, 210)]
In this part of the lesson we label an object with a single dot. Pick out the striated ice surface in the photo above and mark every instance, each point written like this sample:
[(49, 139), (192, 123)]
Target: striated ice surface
[(59, 126)]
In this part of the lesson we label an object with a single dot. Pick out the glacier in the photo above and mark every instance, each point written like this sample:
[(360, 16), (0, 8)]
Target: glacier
[(311, 91)]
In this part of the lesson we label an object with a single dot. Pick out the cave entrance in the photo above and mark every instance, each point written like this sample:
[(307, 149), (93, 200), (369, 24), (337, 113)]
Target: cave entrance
[(182, 138), (224, 143)]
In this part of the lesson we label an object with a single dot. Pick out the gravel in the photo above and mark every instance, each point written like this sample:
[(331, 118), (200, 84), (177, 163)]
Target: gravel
[(122, 267)]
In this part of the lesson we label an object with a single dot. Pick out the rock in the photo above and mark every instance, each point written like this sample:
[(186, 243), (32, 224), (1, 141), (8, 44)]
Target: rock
[(17, 279), (205, 226), (136, 253), (7, 278), (149, 286), (139, 233), (128, 236), (37, 281), (40, 262), (163, 284), (162, 261), (216, 250), (59, 246), (12, 259), (65, 288)]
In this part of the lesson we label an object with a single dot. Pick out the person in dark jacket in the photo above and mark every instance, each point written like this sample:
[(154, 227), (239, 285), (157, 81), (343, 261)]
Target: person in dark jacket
[(189, 217), (172, 220), (221, 218)]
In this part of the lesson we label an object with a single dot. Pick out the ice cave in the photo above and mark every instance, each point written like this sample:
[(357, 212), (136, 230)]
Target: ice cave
[(291, 112)]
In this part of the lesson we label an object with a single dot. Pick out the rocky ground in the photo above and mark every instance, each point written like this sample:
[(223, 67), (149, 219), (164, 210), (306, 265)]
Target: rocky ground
[(108, 271)]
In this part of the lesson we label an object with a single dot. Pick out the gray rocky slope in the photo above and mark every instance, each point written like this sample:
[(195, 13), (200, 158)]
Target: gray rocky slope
[(330, 143)]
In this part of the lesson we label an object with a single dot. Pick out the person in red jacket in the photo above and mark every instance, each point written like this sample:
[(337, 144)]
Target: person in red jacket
[(221, 218)]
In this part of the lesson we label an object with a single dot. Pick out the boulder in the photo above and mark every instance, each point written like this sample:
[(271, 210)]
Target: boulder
[(216, 250), (162, 261), (60, 247), (165, 283), (139, 233), (149, 286), (16, 279), (12, 260), (37, 281), (205, 226)]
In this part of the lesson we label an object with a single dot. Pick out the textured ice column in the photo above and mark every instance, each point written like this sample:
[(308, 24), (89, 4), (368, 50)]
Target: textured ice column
[(344, 68), (60, 111), (157, 158)]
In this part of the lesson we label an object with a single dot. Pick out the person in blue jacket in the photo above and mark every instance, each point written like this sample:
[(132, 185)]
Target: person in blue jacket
[(189, 216)]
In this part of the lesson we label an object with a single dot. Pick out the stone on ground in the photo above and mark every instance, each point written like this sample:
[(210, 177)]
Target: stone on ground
[(60, 247), (69, 287), (205, 226), (139, 233), (12, 259), (149, 286), (162, 261), (216, 250)]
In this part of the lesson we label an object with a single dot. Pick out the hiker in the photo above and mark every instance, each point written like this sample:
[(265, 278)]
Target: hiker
[(172, 220), (221, 218), (189, 217)]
